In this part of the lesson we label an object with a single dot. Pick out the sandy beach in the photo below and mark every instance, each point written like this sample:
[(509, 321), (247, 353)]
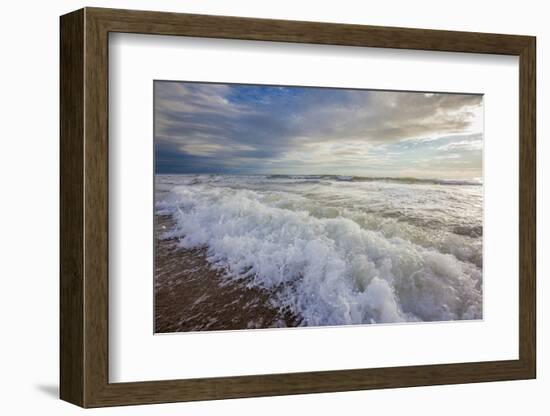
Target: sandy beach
[(191, 296)]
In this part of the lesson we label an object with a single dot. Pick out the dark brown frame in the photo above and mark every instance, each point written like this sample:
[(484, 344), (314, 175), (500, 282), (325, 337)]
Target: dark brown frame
[(84, 207)]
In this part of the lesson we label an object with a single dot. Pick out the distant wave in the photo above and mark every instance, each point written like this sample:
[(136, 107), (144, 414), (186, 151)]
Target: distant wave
[(408, 180), (209, 178)]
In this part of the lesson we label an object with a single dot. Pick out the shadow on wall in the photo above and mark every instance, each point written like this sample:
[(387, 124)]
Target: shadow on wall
[(49, 390)]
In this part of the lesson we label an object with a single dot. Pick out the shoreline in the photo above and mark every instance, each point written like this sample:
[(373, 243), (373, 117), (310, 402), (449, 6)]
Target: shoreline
[(189, 295)]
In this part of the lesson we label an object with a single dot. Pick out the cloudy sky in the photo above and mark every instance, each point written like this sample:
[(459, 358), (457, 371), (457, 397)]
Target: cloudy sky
[(248, 129)]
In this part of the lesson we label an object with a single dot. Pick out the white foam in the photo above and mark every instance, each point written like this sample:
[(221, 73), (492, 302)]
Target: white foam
[(328, 269)]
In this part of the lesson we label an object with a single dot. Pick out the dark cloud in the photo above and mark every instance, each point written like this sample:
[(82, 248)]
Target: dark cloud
[(217, 128)]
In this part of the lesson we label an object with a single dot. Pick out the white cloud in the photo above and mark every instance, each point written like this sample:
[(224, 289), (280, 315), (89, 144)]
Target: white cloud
[(207, 127), (462, 145)]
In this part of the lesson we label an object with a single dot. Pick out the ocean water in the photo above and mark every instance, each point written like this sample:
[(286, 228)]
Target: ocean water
[(338, 250)]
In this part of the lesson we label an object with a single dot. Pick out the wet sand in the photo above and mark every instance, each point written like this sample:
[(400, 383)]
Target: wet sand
[(191, 296)]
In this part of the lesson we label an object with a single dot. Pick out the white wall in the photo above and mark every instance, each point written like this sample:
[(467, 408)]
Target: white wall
[(29, 207)]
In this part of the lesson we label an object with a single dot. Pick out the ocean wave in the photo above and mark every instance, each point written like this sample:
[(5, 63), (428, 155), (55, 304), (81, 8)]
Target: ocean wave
[(298, 179), (329, 271), (407, 180)]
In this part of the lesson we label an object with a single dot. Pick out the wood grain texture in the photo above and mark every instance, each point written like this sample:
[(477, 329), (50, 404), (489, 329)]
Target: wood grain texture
[(527, 208), (96, 208), (225, 27), (71, 208), (84, 207)]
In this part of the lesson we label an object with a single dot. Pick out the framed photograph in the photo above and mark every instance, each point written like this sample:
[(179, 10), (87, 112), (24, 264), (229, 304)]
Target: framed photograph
[(255, 207)]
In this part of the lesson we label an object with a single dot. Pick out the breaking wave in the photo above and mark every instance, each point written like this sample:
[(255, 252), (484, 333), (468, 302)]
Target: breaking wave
[(330, 263)]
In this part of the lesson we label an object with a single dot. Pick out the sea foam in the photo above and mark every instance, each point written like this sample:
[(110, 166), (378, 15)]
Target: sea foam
[(327, 269)]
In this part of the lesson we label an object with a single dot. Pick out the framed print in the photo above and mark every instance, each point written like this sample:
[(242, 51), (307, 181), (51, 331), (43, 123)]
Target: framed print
[(260, 207)]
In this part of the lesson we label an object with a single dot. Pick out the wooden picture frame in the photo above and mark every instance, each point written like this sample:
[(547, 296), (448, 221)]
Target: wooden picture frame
[(84, 207)]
